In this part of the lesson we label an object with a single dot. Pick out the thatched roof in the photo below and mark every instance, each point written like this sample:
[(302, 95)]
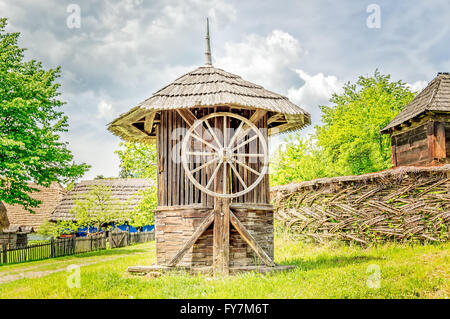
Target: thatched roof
[(49, 196), (434, 98), (121, 189), (208, 86)]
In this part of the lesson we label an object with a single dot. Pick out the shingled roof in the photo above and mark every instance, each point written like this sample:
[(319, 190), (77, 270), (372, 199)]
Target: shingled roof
[(208, 86), (49, 197), (434, 98), (121, 189)]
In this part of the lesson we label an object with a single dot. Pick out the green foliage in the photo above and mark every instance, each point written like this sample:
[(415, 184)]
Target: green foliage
[(138, 160), (30, 123), (98, 207), (349, 141), (143, 212), (298, 160), (350, 135)]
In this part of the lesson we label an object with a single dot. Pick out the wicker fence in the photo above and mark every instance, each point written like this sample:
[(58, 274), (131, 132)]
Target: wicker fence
[(70, 246), (404, 204)]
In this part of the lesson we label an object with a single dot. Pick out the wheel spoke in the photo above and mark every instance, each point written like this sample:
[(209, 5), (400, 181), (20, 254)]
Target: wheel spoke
[(248, 155), (236, 134), (202, 153), (204, 165), (213, 134), (246, 166), (213, 175), (204, 142), (238, 175), (245, 143)]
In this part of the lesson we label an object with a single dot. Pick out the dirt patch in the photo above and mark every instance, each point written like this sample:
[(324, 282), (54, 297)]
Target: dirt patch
[(43, 273)]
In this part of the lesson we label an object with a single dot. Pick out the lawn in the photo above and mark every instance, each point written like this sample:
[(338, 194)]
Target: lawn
[(332, 270)]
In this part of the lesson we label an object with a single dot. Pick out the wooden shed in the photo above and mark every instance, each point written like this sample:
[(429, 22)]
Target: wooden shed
[(20, 218), (211, 128), (420, 134)]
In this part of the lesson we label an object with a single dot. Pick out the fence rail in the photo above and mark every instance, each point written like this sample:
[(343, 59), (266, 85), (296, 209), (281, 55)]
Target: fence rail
[(70, 246)]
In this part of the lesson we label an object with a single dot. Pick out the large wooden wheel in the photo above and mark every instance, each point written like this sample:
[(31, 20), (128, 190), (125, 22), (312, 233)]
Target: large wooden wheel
[(214, 148)]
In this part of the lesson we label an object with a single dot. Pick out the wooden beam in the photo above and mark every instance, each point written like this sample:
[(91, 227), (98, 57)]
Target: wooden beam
[(250, 240), (275, 118), (257, 115), (187, 115), (148, 123), (220, 255), (195, 236)]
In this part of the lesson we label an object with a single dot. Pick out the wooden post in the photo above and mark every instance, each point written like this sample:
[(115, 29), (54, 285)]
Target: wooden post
[(52, 247), (5, 253), (221, 236), (394, 151)]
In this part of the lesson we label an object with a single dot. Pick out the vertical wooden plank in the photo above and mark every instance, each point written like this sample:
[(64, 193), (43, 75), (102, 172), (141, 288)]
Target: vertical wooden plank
[(440, 147), (175, 160), (394, 151), (170, 161), (431, 137)]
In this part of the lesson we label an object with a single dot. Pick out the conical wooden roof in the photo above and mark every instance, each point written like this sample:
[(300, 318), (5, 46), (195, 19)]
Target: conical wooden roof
[(434, 98), (208, 86)]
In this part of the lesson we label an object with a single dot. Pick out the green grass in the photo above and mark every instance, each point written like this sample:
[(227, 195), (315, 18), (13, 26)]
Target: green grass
[(322, 271)]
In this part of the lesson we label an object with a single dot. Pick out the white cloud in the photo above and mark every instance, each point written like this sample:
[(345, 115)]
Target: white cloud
[(264, 60), (105, 110), (417, 86), (316, 90)]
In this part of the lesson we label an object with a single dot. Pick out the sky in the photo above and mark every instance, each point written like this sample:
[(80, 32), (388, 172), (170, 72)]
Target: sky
[(115, 54)]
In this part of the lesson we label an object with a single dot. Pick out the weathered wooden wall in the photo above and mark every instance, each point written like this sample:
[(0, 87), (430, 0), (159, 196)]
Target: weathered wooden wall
[(175, 189), (423, 144)]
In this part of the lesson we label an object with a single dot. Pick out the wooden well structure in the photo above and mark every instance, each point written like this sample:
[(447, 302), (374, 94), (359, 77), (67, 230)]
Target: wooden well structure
[(211, 129)]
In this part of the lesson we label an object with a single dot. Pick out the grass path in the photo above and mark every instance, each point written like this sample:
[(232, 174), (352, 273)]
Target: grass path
[(322, 271)]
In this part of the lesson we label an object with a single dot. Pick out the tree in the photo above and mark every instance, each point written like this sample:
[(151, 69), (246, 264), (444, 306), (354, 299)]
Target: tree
[(138, 160), (30, 123), (299, 159), (350, 135), (349, 141), (98, 207)]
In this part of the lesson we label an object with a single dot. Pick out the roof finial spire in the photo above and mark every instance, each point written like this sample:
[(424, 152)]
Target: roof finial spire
[(208, 45)]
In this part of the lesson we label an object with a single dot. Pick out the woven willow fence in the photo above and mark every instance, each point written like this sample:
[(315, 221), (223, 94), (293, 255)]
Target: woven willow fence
[(403, 204)]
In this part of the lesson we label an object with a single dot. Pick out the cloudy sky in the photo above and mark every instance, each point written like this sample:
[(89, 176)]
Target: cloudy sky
[(121, 52)]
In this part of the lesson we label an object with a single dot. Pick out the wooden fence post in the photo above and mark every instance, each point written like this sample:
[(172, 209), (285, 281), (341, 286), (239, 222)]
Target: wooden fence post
[(5, 254), (110, 239), (74, 244), (52, 247)]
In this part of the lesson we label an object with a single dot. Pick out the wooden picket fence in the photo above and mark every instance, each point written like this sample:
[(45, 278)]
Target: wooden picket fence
[(70, 246)]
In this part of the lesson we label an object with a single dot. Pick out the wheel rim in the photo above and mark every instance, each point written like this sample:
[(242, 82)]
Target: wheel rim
[(224, 154)]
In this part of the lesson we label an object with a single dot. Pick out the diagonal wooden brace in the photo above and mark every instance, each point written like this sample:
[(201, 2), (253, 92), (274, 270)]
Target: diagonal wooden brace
[(195, 236), (250, 240)]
